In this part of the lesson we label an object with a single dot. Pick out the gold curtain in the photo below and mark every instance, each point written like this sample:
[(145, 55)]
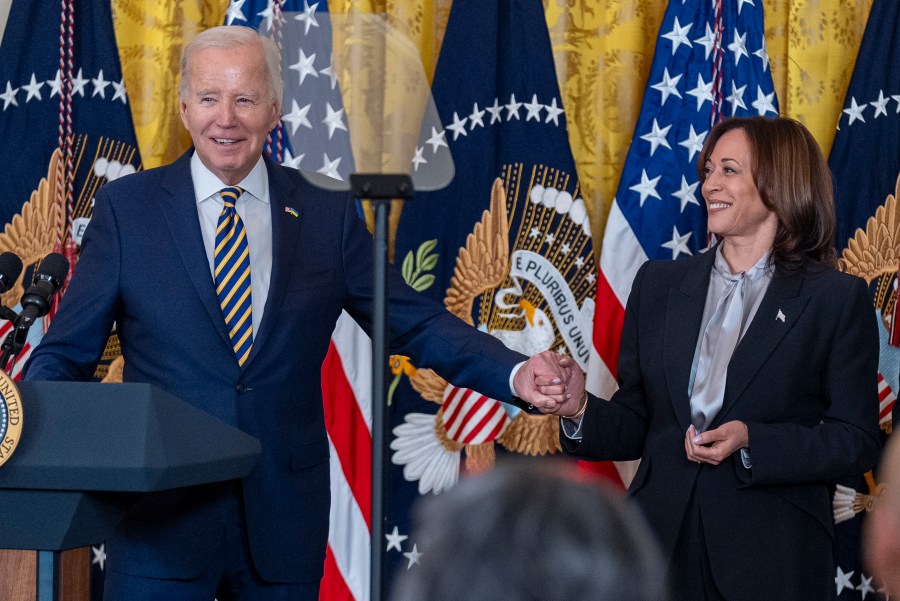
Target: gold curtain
[(602, 50)]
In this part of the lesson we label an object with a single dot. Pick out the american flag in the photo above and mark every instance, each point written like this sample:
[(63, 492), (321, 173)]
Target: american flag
[(313, 137), (710, 63)]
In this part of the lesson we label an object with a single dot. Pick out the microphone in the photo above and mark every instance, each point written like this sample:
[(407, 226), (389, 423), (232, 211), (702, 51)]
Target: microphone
[(10, 269), (48, 278)]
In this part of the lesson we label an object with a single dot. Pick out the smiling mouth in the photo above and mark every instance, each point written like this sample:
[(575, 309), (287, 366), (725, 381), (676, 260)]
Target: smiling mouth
[(718, 205), (224, 141)]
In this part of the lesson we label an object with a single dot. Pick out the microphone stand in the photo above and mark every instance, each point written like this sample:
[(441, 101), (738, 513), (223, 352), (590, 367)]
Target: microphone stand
[(380, 189), (16, 338)]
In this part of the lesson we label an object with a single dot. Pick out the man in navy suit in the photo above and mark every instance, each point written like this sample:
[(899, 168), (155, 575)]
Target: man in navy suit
[(147, 265)]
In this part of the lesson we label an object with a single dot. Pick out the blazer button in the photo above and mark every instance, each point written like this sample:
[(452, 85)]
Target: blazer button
[(241, 388)]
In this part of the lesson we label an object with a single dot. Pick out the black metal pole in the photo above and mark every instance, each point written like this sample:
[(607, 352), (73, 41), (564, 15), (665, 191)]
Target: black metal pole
[(381, 189), (382, 209)]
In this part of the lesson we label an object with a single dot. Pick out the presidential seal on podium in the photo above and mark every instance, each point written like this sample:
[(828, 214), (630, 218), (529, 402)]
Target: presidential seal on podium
[(10, 417)]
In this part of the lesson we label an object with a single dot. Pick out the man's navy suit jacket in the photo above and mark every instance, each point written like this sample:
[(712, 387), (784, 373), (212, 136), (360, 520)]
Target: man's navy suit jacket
[(143, 267)]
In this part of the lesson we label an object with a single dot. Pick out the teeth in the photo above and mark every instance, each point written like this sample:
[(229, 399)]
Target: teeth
[(719, 205), (225, 140)]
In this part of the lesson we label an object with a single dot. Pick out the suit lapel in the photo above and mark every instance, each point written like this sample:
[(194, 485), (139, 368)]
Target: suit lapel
[(684, 311), (779, 310), (285, 235), (178, 205)]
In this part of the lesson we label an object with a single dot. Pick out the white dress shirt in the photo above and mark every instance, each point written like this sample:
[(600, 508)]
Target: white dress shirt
[(254, 210)]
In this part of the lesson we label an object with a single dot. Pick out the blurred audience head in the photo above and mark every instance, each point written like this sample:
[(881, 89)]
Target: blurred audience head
[(532, 530), (881, 544)]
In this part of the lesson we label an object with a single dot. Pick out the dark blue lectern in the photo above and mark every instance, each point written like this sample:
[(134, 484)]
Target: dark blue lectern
[(81, 445)]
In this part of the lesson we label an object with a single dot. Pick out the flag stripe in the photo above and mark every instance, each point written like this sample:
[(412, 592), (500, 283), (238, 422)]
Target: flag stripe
[(348, 432), (333, 587)]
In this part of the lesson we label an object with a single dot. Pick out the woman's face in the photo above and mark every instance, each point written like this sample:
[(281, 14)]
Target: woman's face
[(733, 204)]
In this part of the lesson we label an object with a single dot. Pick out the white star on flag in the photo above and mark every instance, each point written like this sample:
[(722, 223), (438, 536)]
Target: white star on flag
[(308, 17), (329, 168), (703, 91), (235, 12), (678, 35), (495, 111), (413, 557), (687, 194), (334, 119), (880, 105), (534, 109), (739, 47), (657, 137), (512, 109), (678, 243), (33, 88), (78, 83), (394, 538), (297, 116), (9, 96), (119, 87), (458, 127), (668, 86), (553, 112), (476, 118), (304, 66), (764, 103), (647, 187), (100, 85), (437, 140)]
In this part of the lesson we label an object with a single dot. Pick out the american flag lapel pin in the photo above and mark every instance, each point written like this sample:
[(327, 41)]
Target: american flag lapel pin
[(780, 317), (291, 211)]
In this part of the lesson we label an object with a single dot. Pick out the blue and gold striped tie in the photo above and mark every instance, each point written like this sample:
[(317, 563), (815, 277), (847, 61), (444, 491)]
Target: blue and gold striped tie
[(232, 275)]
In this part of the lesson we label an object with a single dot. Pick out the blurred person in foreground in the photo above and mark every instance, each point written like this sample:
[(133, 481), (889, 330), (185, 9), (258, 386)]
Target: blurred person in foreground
[(881, 535), (532, 530), (747, 378)]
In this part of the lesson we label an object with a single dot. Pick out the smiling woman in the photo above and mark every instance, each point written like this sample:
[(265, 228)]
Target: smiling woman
[(748, 378)]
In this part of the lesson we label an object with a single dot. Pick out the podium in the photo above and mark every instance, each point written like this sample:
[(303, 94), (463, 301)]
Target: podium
[(82, 446)]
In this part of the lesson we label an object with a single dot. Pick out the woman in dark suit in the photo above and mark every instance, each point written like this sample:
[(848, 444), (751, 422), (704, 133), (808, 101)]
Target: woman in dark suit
[(747, 378)]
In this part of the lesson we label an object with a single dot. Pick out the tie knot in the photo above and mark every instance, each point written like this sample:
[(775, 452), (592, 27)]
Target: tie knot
[(230, 195)]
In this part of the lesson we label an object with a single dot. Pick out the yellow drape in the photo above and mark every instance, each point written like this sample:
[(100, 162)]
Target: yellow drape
[(602, 51)]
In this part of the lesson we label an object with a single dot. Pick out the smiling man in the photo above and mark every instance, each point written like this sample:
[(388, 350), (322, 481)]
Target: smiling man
[(227, 299)]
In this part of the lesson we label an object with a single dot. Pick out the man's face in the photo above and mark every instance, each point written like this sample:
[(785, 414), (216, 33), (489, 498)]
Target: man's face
[(228, 109)]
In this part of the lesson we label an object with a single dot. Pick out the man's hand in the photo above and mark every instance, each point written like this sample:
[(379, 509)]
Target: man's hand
[(714, 446), (551, 382)]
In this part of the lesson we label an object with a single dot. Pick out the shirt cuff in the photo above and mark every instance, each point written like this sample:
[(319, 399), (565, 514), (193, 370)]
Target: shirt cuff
[(571, 428), (512, 377)]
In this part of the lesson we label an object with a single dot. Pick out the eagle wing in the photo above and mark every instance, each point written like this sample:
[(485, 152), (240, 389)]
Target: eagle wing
[(876, 251), (32, 233), (532, 435), (484, 262)]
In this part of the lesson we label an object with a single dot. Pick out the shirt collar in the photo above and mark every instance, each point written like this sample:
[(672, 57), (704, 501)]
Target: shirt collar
[(207, 185), (761, 268)]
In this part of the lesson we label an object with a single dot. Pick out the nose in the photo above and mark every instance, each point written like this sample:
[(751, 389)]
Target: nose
[(225, 114), (710, 183)]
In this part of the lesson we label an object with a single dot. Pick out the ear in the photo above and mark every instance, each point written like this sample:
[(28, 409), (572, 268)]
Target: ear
[(276, 114), (182, 111)]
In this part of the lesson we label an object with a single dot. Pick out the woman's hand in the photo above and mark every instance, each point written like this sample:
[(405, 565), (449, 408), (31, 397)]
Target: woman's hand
[(714, 446)]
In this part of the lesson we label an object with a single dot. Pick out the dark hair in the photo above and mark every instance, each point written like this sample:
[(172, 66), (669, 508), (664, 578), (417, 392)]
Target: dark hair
[(531, 530), (794, 181)]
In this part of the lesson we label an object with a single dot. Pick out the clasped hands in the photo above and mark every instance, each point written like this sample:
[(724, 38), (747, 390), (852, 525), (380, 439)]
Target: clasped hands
[(553, 383)]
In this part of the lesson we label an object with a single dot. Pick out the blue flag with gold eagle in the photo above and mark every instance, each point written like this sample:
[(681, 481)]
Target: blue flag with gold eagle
[(38, 64), (506, 246), (865, 160)]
